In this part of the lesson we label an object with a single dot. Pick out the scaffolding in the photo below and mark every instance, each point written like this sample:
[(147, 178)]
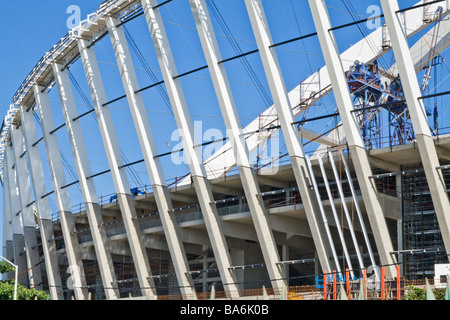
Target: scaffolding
[(422, 237), (365, 83)]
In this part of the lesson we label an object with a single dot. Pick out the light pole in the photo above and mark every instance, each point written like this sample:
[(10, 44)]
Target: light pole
[(15, 277)]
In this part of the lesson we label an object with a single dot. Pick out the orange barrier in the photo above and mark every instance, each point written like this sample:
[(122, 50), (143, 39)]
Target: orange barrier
[(347, 282), (398, 282), (334, 285)]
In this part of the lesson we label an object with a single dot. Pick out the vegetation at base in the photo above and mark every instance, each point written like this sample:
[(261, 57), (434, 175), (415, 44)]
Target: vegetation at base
[(414, 293), (5, 267), (7, 288)]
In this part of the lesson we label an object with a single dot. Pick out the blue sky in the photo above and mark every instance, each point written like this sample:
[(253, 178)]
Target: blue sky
[(31, 28)]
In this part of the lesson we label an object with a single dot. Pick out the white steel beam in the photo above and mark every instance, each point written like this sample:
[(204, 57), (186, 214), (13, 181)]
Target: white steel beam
[(72, 245), (16, 216), (202, 185), (149, 150), (290, 133), (115, 161), (29, 224), (416, 108), (335, 215), (324, 217), (233, 125), (358, 211), (346, 212), (8, 251), (350, 125), (42, 204), (99, 237)]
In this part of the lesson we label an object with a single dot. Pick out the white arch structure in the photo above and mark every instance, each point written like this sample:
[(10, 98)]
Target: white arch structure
[(222, 161)]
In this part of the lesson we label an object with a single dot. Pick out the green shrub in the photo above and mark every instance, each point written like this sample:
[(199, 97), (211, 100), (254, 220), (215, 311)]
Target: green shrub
[(7, 288), (5, 267), (439, 294), (413, 293), (7, 292)]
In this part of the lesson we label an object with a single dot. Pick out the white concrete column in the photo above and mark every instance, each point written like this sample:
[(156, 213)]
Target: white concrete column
[(42, 204), (115, 161), (291, 135), (72, 245), (206, 200), (8, 249), (148, 147), (353, 135), (29, 224), (99, 237), (16, 215), (7, 226), (416, 108), (230, 115), (5, 213)]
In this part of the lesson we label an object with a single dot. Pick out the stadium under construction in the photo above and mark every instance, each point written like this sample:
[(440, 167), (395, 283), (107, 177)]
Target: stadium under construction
[(311, 139)]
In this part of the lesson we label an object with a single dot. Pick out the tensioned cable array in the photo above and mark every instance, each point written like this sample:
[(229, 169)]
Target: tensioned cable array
[(135, 13), (155, 83), (240, 55)]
